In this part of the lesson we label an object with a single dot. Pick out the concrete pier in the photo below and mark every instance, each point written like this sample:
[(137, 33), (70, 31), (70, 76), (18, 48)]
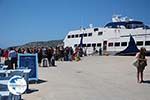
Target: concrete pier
[(92, 78)]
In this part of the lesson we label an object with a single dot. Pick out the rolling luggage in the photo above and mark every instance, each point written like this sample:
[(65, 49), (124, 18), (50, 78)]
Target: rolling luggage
[(45, 62)]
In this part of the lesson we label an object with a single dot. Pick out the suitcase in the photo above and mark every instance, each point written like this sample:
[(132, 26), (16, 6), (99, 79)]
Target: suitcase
[(45, 62)]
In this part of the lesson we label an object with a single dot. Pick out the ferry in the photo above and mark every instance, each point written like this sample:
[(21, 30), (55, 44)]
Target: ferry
[(113, 38)]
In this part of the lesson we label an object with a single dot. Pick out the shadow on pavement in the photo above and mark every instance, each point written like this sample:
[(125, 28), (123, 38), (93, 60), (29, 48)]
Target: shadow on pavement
[(31, 91), (37, 82)]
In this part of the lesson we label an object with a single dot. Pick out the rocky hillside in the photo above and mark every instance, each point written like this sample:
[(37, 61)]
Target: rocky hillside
[(52, 43)]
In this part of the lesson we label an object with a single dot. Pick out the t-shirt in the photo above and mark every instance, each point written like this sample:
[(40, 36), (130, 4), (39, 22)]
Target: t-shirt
[(12, 54)]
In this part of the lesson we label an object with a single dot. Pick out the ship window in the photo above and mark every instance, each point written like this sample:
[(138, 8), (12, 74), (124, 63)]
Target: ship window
[(110, 44), (94, 45), (72, 36), (139, 43), (88, 45), (100, 33), (84, 45), (85, 35), (95, 29), (81, 35), (75, 45), (89, 34), (68, 36), (98, 44), (76, 35), (123, 43), (117, 44), (147, 42)]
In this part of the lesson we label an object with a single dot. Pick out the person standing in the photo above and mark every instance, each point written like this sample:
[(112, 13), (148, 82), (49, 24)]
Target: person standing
[(50, 54), (0, 54), (13, 57), (100, 51), (142, 62), (39, 56)]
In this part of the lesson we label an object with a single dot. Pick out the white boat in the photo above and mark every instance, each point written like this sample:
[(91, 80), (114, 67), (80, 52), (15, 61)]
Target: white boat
[(112, 38)]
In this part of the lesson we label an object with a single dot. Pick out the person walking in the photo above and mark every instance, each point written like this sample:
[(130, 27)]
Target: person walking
[(142, 62)]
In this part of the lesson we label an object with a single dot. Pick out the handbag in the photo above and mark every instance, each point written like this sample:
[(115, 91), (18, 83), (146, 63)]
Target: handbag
[(136, 63), (143, 63)]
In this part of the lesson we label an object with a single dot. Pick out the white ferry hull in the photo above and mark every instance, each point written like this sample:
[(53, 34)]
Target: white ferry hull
[(110, 40)]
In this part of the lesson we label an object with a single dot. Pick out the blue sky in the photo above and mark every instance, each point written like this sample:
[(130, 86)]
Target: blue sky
[(23, 21)]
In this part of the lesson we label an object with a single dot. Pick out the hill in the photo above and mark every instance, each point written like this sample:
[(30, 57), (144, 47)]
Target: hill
[(51, 43)]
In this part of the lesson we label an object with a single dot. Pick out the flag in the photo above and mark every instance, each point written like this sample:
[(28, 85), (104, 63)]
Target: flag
[(81, 41)]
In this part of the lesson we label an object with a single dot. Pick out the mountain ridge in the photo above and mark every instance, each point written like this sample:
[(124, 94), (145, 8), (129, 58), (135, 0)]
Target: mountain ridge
[(50, 43)]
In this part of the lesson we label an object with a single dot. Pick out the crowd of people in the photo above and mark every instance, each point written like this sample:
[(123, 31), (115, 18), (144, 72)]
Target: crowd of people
[(50, 53)]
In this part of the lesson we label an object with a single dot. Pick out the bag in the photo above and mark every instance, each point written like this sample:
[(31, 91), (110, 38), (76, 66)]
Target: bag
[(143, 63), (136, 63), (45, 62)]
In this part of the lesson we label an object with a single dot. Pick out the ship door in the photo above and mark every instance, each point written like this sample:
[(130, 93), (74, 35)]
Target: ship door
[(104, 45)]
